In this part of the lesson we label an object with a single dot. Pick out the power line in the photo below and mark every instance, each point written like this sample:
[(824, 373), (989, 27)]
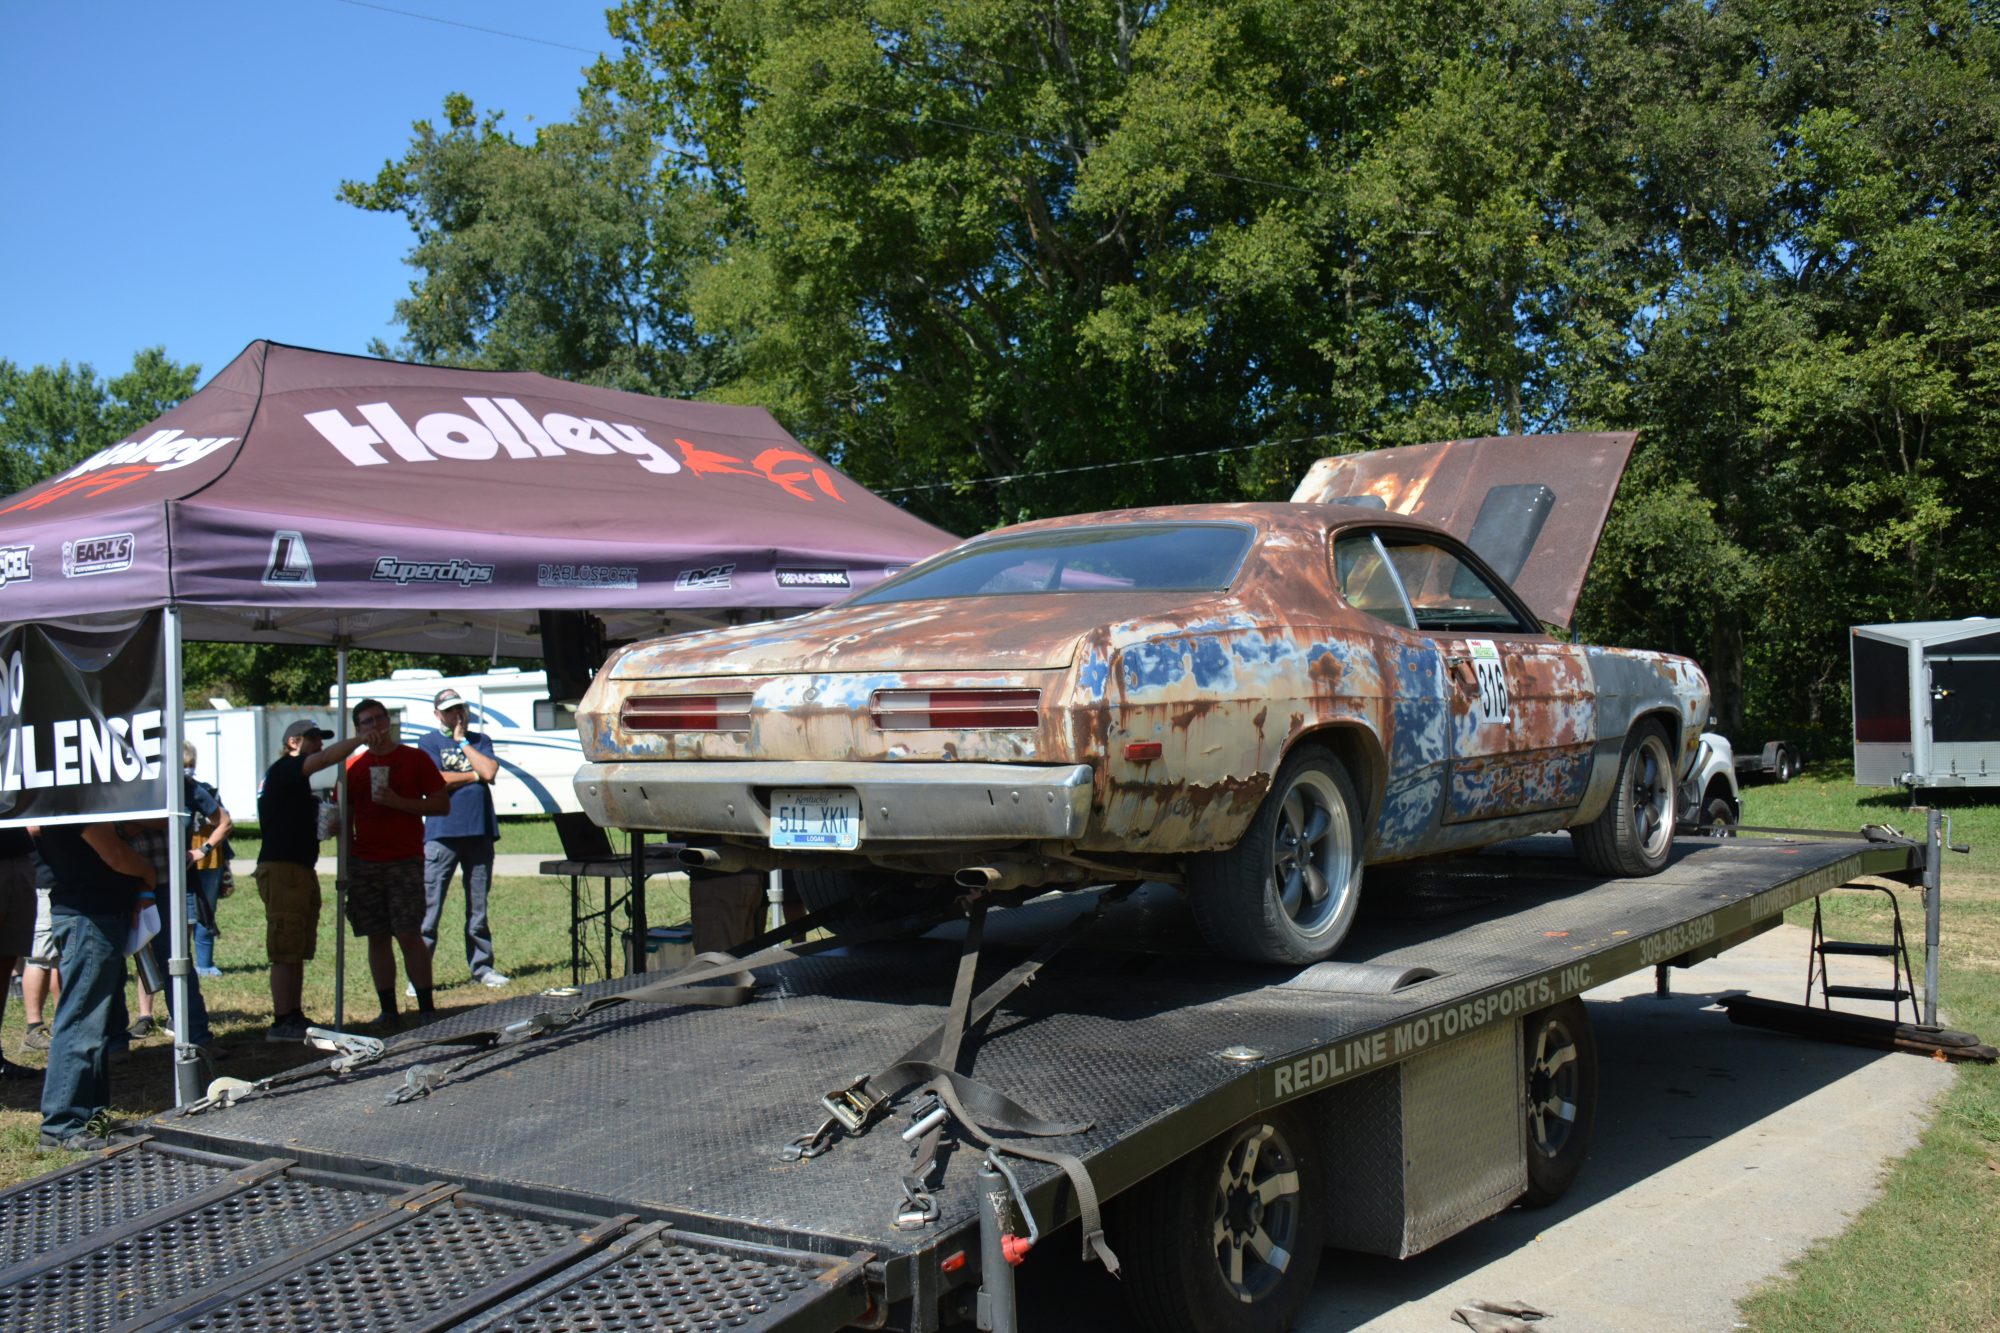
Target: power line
[(745, 88), (474, 27), (1103, 467)]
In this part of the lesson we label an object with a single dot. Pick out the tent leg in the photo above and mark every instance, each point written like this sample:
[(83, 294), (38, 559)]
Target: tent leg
[(180, 967), (340, 840)]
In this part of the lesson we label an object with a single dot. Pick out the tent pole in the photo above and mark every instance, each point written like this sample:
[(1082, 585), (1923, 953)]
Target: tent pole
[(180, 968), (340, 836)]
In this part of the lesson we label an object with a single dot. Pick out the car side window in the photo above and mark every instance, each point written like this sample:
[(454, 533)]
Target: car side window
[(1367, 580), (1446, 593)]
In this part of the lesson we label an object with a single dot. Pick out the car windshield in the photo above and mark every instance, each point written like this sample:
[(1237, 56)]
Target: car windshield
[(1179, 557)]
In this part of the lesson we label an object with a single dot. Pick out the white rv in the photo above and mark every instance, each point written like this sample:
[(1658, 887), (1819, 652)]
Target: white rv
[(536, 767)]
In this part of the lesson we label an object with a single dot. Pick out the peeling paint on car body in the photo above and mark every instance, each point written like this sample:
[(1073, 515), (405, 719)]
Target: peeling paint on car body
[(1227, 683)]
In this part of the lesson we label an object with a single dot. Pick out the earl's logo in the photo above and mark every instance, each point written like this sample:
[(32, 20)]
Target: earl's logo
[(97, 555)]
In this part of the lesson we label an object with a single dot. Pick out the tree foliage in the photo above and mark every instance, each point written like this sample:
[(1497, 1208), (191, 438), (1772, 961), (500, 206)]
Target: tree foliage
[(1002, 258)]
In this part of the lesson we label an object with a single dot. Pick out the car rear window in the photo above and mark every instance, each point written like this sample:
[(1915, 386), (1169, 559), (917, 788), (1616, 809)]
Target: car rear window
[(1165, 557)]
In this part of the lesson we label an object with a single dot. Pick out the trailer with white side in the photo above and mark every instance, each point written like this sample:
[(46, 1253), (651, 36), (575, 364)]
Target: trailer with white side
[(891, 1130), (537, 762)]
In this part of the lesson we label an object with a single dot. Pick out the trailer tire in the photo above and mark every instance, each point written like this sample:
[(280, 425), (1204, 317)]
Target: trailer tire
[(1634, 834), (1788, 764), (1560, 1053), (1190, 1236), (1254, 901)]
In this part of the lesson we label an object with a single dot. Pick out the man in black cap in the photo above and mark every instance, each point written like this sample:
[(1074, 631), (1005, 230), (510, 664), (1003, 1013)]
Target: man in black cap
[(464, 838), (287, 877)]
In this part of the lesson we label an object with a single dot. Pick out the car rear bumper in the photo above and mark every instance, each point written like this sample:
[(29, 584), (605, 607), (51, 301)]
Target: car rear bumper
[(911, 803)]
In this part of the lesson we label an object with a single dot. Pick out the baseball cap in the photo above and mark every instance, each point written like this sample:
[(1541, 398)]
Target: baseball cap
[(446, 698), (307, 727)]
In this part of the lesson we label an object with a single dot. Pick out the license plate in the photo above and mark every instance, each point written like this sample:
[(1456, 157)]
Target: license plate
[(821, 820)]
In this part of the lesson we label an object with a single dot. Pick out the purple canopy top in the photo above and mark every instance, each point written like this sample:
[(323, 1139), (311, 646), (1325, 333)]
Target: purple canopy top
[(304, 493)]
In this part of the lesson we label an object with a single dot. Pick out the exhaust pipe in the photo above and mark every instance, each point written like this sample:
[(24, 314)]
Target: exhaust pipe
[(996, 878), (723, 860)]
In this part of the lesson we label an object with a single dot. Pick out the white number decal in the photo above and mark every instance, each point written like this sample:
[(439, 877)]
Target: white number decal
[(1494, 701)]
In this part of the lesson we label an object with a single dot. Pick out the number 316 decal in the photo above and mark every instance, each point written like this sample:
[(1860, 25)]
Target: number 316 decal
[(1494, 701)]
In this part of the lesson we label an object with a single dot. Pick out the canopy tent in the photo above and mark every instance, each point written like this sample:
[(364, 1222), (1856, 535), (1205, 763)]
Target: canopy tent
[(311, 497), (305, 496)]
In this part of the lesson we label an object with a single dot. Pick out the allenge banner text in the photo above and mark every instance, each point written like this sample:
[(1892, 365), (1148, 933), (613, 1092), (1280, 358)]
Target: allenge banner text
[(82, 714)]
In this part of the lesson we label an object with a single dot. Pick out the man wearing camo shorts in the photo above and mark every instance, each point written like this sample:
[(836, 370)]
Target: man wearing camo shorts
[(390, 788)]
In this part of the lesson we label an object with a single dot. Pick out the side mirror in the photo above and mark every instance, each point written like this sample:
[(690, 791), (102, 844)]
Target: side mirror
[(552, 715)]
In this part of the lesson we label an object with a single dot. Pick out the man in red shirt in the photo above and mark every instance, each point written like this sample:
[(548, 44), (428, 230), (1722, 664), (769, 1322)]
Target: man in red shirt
[(390, 788)]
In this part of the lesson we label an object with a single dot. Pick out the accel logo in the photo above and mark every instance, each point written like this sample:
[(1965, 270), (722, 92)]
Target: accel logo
[(126, 462), (498, 426)]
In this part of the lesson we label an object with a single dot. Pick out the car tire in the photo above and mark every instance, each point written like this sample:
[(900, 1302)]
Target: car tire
[(1256, 901), (1560, 1052), (1718, 818), (1229, 1238), (1634, 834)]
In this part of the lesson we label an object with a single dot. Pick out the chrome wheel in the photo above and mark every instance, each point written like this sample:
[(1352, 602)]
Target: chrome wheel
[(1651, 797), (1257, 1213), (1553, 1083), (1312, 855)]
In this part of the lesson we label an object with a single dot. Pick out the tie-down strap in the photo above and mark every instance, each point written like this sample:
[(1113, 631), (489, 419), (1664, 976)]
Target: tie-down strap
[(978, 1107)]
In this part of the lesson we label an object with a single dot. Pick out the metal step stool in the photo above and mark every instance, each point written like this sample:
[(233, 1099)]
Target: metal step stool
[(1902, 977)]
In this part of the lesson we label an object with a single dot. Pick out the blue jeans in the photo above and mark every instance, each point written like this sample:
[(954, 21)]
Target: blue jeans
[(77, 1086), (442, 858), (208, 885)]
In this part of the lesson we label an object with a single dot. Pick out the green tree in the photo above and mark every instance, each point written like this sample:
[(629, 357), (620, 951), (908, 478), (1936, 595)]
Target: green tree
[(569, 255), (52, 417)]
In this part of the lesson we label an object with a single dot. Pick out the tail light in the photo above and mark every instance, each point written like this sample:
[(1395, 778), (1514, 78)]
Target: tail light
[(687, 712), (955, 710)]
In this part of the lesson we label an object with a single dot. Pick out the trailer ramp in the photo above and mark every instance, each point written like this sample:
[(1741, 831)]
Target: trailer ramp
[(147, 1236)]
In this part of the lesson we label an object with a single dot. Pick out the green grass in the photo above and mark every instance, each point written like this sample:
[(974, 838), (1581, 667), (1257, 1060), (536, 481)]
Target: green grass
[(1926, 1255), (530, 919), (526, 833)]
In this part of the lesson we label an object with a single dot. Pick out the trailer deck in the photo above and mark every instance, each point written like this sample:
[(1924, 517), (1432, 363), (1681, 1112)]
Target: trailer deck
[(631, 1167)]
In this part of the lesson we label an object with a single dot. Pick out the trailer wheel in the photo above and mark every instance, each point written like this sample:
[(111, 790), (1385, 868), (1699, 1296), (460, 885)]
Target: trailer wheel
[(1288, 892), (1635, 833), (1561, 1057), (1788, 764), (1228, 1239)]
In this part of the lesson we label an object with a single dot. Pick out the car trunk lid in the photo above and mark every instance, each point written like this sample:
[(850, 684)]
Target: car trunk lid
[(1532, 506)]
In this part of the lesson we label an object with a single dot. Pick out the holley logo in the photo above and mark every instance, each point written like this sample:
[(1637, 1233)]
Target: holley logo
[(14, 566), (126, 462), (97, 555), (504, 426)]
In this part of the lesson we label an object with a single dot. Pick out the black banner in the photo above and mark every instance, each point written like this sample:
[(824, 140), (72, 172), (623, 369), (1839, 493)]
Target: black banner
[(82, 723)]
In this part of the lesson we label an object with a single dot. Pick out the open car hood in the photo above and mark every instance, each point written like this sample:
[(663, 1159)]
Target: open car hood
[(1532, 506)]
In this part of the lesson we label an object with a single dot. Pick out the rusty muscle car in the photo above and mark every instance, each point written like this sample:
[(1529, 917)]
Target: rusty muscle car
[(1253, 701)]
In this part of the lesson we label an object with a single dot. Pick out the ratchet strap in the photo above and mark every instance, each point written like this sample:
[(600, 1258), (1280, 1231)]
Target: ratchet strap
[(679, 988), (983, 1112)]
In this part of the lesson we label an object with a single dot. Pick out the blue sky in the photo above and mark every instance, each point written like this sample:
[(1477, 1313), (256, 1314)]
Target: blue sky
[(171, 168)]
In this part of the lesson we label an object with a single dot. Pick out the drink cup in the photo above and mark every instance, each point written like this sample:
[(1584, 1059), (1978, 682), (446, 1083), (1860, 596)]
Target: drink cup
[(378, 781)]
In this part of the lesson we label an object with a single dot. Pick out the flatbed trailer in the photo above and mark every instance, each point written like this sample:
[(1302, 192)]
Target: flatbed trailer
[(631, 1170)]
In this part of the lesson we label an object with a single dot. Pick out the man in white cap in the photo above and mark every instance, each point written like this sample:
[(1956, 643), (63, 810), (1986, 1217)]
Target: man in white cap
[(287, 879), (464, 837)]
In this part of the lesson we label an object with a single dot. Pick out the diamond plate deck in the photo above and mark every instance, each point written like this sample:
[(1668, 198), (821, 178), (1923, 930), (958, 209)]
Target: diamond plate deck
[(679, 1114)]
